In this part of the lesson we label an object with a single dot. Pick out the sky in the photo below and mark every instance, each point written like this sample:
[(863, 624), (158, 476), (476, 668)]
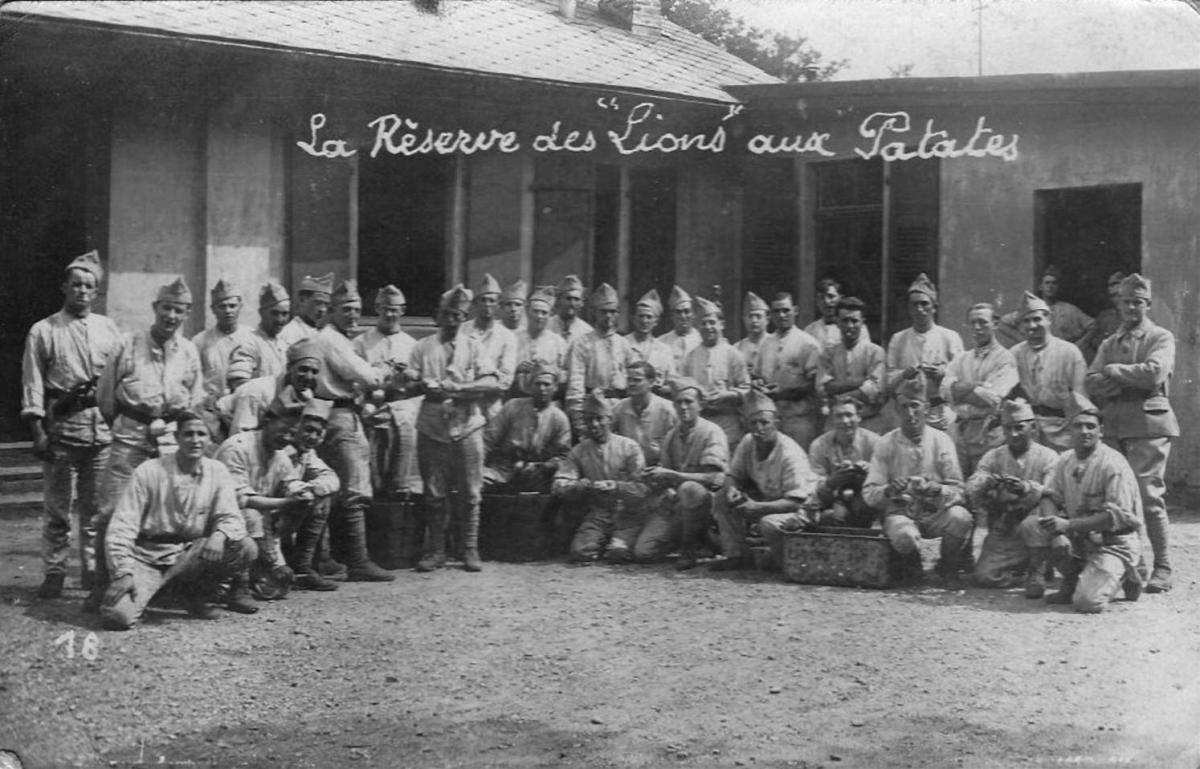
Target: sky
[(940, 38)]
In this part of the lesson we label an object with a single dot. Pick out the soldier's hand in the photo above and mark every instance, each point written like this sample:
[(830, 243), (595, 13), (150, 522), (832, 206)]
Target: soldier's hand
[(898, 485), (118, 588), (604, 487), (214, 548), (1054, 524), (41, 446)]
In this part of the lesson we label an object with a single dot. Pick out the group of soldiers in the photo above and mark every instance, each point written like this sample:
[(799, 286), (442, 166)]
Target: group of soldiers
[(241, 463)]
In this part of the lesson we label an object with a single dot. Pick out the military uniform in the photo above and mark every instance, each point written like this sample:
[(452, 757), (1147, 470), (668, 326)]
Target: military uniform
[(992, 373), (648, 348), (863, 366), (523, 436), (597, 360), (647, 425), (720, 371), (789, 360), (576, 327), (497, 346), (261, 354), (1049, 376), (64, 355), (298, 328), (545, 348)]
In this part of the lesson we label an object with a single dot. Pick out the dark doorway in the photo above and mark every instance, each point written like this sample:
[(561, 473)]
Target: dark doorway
[(652, 235), (403, 204), (1088, 233), (771, 228)]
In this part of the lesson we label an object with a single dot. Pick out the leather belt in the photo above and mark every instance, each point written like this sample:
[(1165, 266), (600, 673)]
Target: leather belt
[(1046, 411), (344, 403)]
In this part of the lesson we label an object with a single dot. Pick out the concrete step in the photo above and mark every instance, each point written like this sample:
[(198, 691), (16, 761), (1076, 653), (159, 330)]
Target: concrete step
[(20, 504)]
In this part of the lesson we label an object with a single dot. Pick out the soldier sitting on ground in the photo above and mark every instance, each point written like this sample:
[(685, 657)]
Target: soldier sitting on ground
[(601, 478), (177, 520)]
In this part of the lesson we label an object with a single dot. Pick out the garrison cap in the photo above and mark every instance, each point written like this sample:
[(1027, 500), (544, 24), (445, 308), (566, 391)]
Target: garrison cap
[(1135, 287), (754, 303), (272, 294), (595, 403), (569, 284), (515, 292), (1078, 405), (1015, 410), (707, 307), (544, 294), (321, 285), (389, 294), (651, 301), (487, 285), (175, 291), (1031, 302), (923, 285), (679, 298), (89, 262), (224, 290), (681, 383), (346, 292), (318, 408), (458, 298), (305, 348), (605, 297), (912, 389), (756, 401)]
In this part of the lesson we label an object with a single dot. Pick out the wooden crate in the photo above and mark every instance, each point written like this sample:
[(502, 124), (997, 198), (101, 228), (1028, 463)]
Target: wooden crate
[(519, 528), (840, 556)]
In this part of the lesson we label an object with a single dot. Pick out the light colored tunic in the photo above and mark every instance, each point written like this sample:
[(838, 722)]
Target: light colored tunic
[(578, 328), (521, 432), (649, 427), (680, 346), (719, 368), (596, 361), (827, 333), (935, 347), (750, 350), (1049, 376), (163, 510), (296, 330), (993, 372), (1145, 361), (656, 353), (456, 361), (143, 376), (703, 449), (261, 355), (546, 349), (255, 469), (216, 350), (934, 459), (1068, 321), (374, 346), (343, 370), (498, 346), (1035, 466), (784, 474), (790, 360), (617, 459), (251, 400), (862, 365), (826, 455), (1103, 481), (61, 353)]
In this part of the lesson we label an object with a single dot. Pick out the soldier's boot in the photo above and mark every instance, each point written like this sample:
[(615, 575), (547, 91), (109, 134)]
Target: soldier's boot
[(470, 540), (325, 563), (1066, 591), (52, 585), (951, 553), (1035, 577), (435, 555), (239, 599), (304, 552), (411, 531), (95, 597), (354, 532)]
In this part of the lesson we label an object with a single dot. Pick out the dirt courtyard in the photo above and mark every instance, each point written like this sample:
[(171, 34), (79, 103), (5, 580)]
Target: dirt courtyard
[(548, 665)]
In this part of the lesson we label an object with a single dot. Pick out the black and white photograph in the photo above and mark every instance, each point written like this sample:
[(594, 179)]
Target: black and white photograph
[(607, 384)]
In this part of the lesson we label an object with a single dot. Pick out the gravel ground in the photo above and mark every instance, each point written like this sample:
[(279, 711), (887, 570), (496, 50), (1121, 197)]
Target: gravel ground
[(558, 666)]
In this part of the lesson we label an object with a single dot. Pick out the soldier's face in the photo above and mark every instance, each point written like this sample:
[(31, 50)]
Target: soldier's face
[(345, 316), (606, 318), (683, 318), (920, 310), (390, 314), (850, 322), (486, 306), (637, 383), (569, 305), (1134, 309), (80, 289), (274, 318), (303, 374), (310, 433), (227, 311), (983, 326), (764, 426), (1036, 326), (912, 413), (597, 425), (278, 433), (313, 307), (1049, 287), (192, 438), (756, 322), (644, 320), (711, 328), (542, 390), (1085, 432), (784, 314), (539, 316), (169, 316), (687, 406), (846, 418), (827, 300), (450, 319), (1019, 435), (512, 311)]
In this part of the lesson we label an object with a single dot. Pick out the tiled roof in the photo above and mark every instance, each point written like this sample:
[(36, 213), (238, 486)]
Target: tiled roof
[(519, 38)]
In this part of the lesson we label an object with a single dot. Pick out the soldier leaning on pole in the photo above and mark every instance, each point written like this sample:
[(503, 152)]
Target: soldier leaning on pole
[(64, 355), (448, 369), (344, 373), (151, 378), (1131, 375)]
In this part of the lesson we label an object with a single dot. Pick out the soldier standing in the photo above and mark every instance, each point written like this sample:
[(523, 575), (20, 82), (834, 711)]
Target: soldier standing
[(645, 346), (537, 345), (265, 351), (217, 346), (64, 355), (789, 369), (567, 306), (1132, 375), (312, 305), (497, 344), (1051, 371), (683, 336)]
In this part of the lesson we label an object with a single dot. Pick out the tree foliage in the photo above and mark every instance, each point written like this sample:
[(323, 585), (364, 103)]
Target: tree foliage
[(790, 59)]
